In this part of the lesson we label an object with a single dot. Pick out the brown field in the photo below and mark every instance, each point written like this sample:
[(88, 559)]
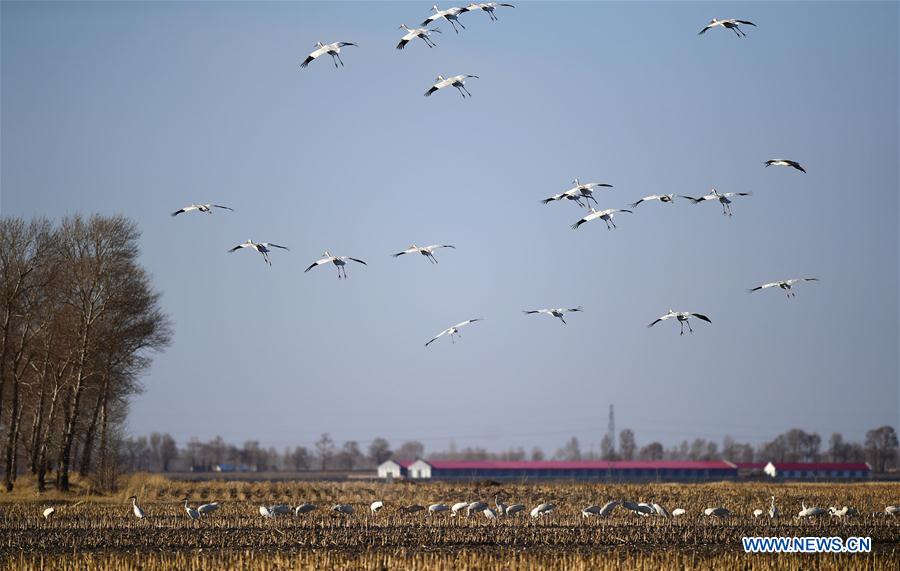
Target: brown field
[(101, 533)]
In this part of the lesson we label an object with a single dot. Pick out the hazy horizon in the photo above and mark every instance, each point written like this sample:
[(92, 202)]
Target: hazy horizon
[(143, 108)]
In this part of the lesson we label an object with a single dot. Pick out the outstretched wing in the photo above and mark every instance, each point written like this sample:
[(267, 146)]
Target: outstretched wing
[(431, 19), (797, 166), (267, 244), (224, 207), (317, 263), (579, 308), (177, 212), (692, 199), (701, 317), (656, 321), (432, 90), (313, 56), (236, 248), (437, 246), (468, 321), (409, 251), (403, 43), (747, 22), (357, 260), (436, 337), (703, 31), (579, 223)]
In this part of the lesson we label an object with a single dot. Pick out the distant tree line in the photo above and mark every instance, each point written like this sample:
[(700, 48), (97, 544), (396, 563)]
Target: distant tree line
[(79, 322), (160, 453)]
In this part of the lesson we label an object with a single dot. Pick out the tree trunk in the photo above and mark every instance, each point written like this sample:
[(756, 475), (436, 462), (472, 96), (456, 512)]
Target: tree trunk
[(65, 456), (104, 438), (89, 435), (15, 416)]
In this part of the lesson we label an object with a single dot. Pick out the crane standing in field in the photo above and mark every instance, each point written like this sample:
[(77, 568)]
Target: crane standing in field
[(191, 512), (334, 50), (138, 512)]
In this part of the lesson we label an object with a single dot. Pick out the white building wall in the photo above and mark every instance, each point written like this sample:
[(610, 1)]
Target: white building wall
[(419, 470)]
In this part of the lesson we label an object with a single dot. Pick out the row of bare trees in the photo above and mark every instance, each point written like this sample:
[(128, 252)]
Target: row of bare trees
[(80, 323)]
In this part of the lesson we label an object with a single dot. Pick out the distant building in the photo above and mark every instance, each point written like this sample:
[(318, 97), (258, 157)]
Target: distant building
[(584, 471), (395, 469), (818, 471)]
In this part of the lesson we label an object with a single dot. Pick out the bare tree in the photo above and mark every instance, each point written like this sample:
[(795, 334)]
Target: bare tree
[(325, 450)]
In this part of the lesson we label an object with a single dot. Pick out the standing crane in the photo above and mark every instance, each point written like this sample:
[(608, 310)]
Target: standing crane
[(138, 512)]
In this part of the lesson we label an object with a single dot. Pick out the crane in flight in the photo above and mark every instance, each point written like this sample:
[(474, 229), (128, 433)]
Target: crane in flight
[(785, 285), (605, 215), (450, 14), (334, 50), (413, 33), (670, 198), (731, 24), (555, 312), (488, 7), (205, 208), (785, 163), (723, 198), (457, 81), (451, 331), (427, 251), (339, 261), (682, 317), (261, 247)]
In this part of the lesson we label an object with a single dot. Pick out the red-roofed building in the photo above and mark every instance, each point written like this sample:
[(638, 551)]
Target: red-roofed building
[(818, 471), (588, 470)]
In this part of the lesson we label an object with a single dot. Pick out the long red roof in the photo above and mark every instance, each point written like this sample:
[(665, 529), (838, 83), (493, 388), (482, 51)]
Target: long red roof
[(823, 466), (579, 465)]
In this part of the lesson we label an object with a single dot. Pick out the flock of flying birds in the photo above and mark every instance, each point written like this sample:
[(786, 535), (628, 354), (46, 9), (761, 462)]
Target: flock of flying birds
[(581, 193)]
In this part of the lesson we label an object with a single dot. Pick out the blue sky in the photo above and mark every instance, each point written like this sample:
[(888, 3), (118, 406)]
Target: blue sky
[(141, 108)]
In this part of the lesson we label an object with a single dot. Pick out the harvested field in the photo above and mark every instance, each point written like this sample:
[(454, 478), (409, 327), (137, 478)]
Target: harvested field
[(102, 532)]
